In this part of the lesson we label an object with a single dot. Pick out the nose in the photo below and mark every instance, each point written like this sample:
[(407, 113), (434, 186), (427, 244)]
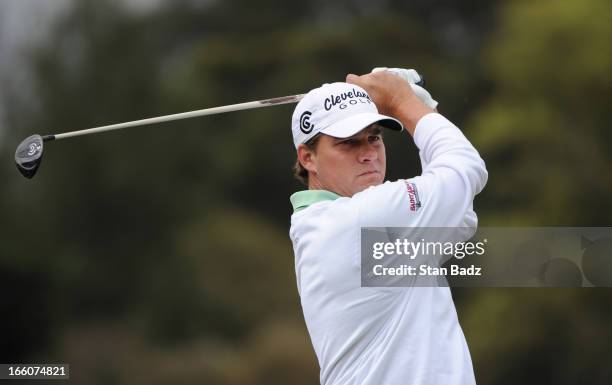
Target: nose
[(367, 153)]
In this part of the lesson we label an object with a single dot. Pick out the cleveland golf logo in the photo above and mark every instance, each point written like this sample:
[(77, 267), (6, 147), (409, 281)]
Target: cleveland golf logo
[(305, 124), (33, 148), (344, 99)]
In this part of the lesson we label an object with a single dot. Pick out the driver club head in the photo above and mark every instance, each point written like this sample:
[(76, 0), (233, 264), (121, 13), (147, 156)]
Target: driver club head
[(29, 155)]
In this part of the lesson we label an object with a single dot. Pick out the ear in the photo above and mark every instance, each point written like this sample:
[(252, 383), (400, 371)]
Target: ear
[(307, 158)]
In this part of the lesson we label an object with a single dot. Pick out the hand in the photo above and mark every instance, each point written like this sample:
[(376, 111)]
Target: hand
[(416, 82), (393, 96)]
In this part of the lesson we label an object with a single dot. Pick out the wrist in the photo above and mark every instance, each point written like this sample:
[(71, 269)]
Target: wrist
[(409, 114)]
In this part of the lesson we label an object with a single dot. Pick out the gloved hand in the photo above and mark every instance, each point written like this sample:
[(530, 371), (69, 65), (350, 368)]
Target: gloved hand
[(412, 77)]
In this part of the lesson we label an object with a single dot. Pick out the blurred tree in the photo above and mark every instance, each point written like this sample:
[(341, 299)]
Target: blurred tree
[(544, 135), (161, 254), (539, 336), (544, 131)]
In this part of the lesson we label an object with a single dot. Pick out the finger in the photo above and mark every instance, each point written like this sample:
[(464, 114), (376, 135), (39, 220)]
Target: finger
[(352, 78)]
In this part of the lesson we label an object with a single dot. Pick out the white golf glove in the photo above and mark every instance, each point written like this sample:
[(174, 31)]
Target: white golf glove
[(412, 77)]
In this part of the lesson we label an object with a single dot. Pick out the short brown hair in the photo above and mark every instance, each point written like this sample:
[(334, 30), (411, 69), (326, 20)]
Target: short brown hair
[(299, 172)]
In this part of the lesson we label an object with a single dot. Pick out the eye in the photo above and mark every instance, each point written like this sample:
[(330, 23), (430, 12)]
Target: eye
[(349, 142), (375, 138)]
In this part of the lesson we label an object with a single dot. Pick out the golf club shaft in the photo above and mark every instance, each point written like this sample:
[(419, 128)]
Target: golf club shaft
[(182, 115)]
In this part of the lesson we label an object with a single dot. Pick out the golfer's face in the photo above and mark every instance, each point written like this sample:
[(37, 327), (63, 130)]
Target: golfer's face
[(350, 165)]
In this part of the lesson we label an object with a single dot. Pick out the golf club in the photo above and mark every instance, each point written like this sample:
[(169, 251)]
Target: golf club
[(30, 151)]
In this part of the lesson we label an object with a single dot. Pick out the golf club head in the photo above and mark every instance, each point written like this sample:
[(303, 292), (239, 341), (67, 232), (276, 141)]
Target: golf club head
[(29, 155)]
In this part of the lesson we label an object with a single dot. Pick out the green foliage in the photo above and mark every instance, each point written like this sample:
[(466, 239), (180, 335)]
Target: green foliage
[(161, 254), (544, 131)]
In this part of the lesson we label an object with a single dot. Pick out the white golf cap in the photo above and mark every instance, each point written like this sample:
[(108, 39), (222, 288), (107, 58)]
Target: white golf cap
[(337, 109)]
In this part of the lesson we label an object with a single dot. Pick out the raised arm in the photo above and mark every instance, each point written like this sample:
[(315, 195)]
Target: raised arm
[(453, 171)]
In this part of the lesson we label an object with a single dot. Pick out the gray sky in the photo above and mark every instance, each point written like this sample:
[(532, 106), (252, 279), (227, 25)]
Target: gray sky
[(24, 23)]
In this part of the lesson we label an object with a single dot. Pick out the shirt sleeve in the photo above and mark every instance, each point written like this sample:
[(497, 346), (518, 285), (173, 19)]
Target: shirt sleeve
[(442, 196)]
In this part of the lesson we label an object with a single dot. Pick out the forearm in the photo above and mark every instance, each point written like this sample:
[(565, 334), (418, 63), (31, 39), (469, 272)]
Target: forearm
[(410, 112), (394, 97)]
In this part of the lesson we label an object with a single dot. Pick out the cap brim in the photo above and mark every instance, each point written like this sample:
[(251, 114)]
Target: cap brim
[(353, 124)]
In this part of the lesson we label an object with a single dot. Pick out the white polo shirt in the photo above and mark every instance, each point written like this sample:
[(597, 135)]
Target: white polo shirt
[(386, 336)]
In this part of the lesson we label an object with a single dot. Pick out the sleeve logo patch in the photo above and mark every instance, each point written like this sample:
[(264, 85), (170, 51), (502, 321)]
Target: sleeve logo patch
[(413, 196)]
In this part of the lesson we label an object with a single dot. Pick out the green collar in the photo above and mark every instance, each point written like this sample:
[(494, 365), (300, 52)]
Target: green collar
[(302, 199)]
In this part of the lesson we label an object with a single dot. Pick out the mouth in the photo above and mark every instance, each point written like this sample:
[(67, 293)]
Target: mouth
[(368, 173)]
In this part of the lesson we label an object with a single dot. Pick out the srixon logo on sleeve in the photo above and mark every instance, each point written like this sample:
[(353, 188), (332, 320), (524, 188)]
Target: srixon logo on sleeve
[(413, 196)]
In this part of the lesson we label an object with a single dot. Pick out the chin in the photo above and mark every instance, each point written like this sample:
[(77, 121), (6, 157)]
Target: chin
[(366, 184), (373, 179), (376, 183)]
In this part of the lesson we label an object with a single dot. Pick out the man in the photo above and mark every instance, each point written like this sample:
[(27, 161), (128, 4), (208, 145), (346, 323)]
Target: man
[(372, 335)]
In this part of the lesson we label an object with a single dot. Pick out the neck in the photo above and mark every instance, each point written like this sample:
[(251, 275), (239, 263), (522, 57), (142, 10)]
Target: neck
[(314, 183)]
